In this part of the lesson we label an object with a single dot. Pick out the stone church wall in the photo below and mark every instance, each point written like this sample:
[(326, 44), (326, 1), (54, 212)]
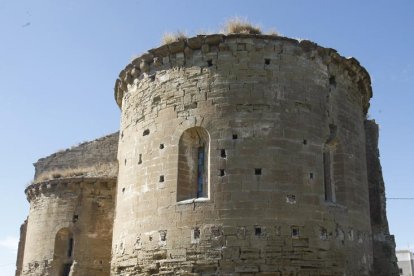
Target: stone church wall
[(237, 155), (71, 215), (385, 261), (285, 186), (95, 158)]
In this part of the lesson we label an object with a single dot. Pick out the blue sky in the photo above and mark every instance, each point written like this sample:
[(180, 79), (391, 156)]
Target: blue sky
[(59, 61)]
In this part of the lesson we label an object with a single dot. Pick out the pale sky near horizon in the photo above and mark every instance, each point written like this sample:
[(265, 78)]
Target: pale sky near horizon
[(59, 61)]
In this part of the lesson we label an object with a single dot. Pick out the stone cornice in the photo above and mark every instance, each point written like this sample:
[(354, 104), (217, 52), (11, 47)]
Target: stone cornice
[(69, 184), (154, 59)]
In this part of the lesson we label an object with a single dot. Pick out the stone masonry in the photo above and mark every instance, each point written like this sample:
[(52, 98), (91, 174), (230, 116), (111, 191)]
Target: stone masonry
[(237, 155), (382, 242), (71, 216)]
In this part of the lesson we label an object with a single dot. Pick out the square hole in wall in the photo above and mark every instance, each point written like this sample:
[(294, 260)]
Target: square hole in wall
[(257, 230), (291, 199), (235, 137), (267, 61), (75, 218), (223, 153), (258, 171), (161, 178), (311, 175), (295, 232), (163, 235), (161, 146), (196, 232), (332, 81), (215, 231), (209, 62), (156, 100), (221, 172), (195, 235)]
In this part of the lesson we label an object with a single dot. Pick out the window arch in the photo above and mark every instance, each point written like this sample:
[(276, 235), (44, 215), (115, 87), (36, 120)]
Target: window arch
[(193, 164), (333, 166), (63, 252)]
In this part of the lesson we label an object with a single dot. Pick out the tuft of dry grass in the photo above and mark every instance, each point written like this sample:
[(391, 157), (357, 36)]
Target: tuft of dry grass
[(239, 25), (168, 38), (109, 170)]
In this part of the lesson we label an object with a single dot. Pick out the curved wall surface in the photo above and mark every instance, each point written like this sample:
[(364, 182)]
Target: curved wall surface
[(69, 227), (242, 154)]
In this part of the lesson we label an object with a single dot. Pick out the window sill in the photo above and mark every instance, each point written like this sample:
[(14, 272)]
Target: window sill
[(193, 200)]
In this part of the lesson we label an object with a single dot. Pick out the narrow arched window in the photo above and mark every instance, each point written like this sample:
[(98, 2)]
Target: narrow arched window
[(328, 164), (70, 248), (63, 252), (334, 169), (329, 182), (193, 164)]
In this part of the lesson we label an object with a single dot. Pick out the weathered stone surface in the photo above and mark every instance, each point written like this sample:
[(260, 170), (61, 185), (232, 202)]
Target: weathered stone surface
[(20, 249), (385, 261), (270, 113), (176, 47), (195, 42), (94, 154), (73, 193), (82, 207), (214, 39), (238, 155)]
